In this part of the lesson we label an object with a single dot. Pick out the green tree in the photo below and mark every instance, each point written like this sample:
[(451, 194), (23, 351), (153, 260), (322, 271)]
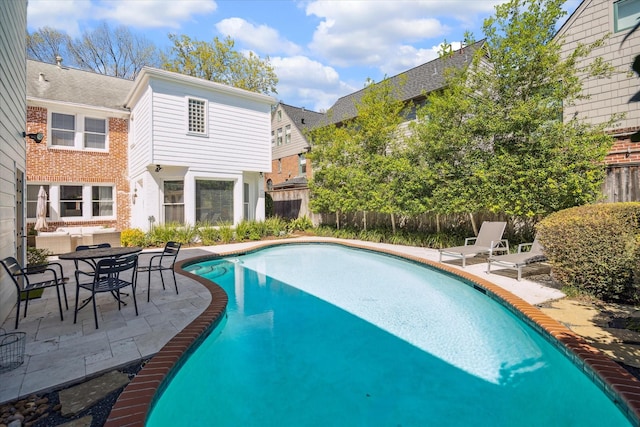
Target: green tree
[(494, 139), (358, 163), (218, 61)]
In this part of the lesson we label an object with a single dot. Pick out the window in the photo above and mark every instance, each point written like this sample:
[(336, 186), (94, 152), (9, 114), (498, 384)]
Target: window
[(32, 199), (245, 202), (625, 14), (197, 116), (279, 136), (287, 134), (95, 133), (63, 129), (279, 114), (273, 138), (101, 201), (214, 201), (302, 162), (174, 201), (70, 200)]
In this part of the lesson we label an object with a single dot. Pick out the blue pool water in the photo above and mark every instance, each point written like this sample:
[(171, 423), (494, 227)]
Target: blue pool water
[(321, 335)]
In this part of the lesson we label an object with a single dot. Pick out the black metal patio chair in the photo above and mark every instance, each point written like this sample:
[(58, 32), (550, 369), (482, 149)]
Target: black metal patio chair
[(161, 261), (29, 279), (111, 275)]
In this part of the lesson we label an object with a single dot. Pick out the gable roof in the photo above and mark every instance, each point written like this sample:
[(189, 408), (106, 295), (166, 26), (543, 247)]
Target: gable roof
[(69, 85), (414, 83), (301, 117)]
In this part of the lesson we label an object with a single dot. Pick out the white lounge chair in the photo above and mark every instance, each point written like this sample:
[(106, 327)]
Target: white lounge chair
[(489, 240), (521, 259)]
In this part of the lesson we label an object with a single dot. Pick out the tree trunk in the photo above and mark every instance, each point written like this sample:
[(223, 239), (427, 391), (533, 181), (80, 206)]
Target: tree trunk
[(438, 223), (393, 224), (473, 224), (337, 220), (364, 220)]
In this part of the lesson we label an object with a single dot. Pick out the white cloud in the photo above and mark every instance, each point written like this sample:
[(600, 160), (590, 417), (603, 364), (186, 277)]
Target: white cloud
[(312, 84), (382, 33), (66, 15), (61, 15), (261, 38), (155, 13)]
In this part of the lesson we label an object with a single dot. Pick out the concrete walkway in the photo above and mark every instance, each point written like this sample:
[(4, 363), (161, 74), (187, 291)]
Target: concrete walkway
[(63, 353)]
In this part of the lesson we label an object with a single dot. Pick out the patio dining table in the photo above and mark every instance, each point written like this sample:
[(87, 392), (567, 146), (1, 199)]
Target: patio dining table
[(97, 253)]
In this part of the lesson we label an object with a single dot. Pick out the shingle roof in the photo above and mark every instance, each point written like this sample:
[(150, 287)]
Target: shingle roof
[(59, 83), (413, 83), (302, 117)]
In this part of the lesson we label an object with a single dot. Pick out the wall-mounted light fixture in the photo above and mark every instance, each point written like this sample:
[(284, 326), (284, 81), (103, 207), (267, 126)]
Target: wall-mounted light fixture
[(261, 174), (37, 137), (628, 153), (158, 168), (134, 195)]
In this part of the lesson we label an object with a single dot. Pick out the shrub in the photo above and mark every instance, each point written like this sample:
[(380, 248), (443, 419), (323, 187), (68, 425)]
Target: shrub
[(302, 223), (243, 228), (37, 256), (594, 248), (209, 235), (226, 232), (275, 226), (133, 237)]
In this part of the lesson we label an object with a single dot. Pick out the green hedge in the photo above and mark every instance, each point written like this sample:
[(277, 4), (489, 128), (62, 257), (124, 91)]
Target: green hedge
[(595, 249)]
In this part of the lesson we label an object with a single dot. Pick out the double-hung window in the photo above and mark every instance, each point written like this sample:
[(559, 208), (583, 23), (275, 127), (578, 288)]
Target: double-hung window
[(78, 131), (70, 200), (287, 134), (63, 129), (32, 200), (279, 136), (101, 200), (95, 133), (302, 162), (197, 116), (625, 14), (174, 201)]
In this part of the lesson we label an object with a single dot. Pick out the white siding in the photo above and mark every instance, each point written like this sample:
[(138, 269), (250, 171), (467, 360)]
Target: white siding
[(298, 143), (13, 118), (592, 20), (239, 131), (140, 134)]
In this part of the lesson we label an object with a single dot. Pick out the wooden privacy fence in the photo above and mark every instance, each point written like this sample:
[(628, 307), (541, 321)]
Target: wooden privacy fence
[(622, 183)]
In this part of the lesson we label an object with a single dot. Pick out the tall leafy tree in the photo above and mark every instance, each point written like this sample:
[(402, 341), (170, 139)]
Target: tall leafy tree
[(357, 165), (218, 61), (495, 139)]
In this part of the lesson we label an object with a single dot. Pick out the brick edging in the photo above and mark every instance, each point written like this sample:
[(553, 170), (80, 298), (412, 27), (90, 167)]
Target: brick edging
[(134, 403)]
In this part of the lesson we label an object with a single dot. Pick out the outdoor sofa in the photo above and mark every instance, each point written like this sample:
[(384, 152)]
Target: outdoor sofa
[(66, 239)]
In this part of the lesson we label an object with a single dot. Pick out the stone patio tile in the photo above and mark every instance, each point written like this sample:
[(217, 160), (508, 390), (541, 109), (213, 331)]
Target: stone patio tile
[(59, 374), (44, 346), (150, 343), (134, 327)]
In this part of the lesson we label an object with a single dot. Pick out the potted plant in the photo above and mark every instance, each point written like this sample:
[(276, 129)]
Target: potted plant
[(36, 257)]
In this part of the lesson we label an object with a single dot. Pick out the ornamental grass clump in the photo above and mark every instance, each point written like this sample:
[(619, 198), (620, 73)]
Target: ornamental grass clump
[(595, 249)]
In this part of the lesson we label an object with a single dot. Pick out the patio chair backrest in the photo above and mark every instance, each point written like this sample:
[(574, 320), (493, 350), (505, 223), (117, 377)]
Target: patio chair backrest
[(170, 252), (490, 231), (536, 247), (113, 266), (12, 266)]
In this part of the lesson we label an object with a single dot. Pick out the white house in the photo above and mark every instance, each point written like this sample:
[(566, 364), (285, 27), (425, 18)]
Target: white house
[(197, 150), (13, 152)]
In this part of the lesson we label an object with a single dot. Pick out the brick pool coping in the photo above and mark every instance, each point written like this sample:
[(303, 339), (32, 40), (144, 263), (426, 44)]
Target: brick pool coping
[(134, 403)]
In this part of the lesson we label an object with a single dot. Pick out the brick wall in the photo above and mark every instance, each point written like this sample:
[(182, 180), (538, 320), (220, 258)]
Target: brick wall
[(59, 165), (623, 150), (289, 170)]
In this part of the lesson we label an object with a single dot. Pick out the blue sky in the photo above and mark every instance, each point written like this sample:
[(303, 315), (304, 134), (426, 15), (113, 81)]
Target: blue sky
[(321, 50)]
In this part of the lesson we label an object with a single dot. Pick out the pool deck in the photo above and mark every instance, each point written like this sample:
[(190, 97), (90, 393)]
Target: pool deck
[(63, 353)]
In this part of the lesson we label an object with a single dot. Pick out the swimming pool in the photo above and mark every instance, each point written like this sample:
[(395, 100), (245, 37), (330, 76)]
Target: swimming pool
[(370, 340)]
